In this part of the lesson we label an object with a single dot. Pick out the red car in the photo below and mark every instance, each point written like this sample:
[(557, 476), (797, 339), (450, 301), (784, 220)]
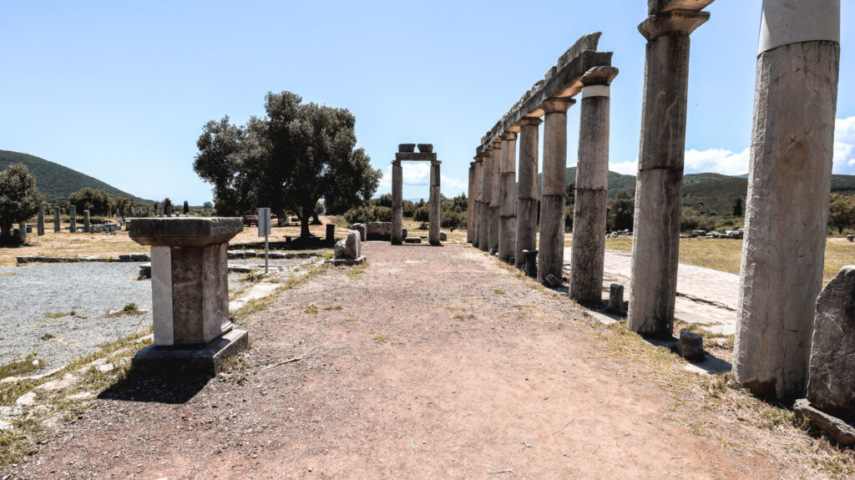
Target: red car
[(250, 220)]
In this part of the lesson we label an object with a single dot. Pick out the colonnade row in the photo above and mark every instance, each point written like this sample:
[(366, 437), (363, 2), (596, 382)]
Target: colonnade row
[(789, 182)]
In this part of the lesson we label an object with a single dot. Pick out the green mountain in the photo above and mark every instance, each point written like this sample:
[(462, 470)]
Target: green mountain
[(56, 182), (710, 194)]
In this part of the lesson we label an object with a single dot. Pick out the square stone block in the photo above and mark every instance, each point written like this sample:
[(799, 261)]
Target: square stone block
[(203, 359)]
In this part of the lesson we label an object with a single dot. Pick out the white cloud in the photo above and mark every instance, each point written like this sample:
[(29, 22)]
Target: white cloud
[(626, 168), (717, 160), (418, 175), (844, 145)]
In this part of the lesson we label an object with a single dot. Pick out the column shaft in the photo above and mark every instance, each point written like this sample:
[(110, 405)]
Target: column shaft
[(73, 214), (476, 204), (435, 205), (495, 196), (41, 220), (57, 224), (656, 239), (787, 208), (507, 197), (551, 251), (486, 198), (470, 231), (397, 204), (527, 192)]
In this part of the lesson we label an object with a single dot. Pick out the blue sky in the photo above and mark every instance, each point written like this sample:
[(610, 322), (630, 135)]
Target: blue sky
[(120, 90)]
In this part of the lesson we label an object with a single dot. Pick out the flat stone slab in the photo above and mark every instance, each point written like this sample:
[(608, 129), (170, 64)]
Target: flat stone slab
[(347, 261), (205, 359), (184, 232), (833, 426), (413, 240)]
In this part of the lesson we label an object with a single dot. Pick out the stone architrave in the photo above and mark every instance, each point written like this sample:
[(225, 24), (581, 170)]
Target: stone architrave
[(495, 195), (592, 188), (552, 200), (656, 240), (526, 230), (57, 220), (87, 225), (486, 198), (831, 384), (469, 203), (507, 197), (397, 203), (190, 293), (41, 222), (787, 205), (435, 220), (73, 215)]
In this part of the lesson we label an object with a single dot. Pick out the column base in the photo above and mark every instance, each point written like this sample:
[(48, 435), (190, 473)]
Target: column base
[(201, 360)]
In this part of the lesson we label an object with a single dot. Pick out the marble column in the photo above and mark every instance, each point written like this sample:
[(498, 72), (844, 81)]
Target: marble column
[(494, 198), (656, 239), (41, 221), (22, 231), (508, 197), (397, 203), (435, 204), (57, 219), (592, 188), (470, 231), (486, 198), (527, 190), (787, 207), (87, 226), (554, 180), (476, 204), (73, 215)]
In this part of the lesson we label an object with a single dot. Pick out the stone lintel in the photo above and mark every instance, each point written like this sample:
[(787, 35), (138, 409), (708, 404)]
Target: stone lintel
[(415, 157), (599, 76), (184, 232), (655, 7), (674, 22), (563, 83)]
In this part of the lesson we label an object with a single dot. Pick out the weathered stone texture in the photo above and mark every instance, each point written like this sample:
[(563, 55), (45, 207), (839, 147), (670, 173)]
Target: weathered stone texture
[(397, 204), (507, 198), (786, 215), (832, 358), (526, 230), (41, 222), (486, 198), (554, 179)]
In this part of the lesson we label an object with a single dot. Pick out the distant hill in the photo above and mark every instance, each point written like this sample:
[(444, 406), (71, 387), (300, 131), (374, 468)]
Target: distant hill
[(710, 194), (55, 181)]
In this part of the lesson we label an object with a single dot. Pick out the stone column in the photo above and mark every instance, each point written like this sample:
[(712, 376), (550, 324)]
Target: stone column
[(551, 251), (495, 196), (592, 188), (527, 190), (190, 293), (469, 203), (486, 198), (87, 226), (57, 220), (22, 231), (476, 203), (508, 197), (656, 239), (397, 203), (73, 214), (787, 208), (435, 204), (41, 224)]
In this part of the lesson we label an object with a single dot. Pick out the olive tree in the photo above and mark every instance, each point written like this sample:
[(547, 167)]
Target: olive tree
[(19, 199)]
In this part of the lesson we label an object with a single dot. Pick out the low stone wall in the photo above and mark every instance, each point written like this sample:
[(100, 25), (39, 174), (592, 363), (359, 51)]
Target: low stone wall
[(127, 257), (233, 254)]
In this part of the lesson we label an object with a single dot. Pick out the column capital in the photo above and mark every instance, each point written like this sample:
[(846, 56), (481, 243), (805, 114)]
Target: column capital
[(436, 163), (396, 163), (661, 6), (472, 164), (674, 22), (478, 158), (509, 136), (488, 151), (497, 145), (599, 76), (557, 105), (530, 122)]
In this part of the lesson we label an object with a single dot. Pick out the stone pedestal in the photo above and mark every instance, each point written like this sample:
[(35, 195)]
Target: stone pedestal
[(656, 239), (486, 198), (530, 262), (592, 188), (526, 230), (435, 219), (190, 290), (495, 180), (554, 178), (330, 233), (508, 197), (397, 203), (57, 220), (41, 222), (87, 225), (73, 215), (787, 208)]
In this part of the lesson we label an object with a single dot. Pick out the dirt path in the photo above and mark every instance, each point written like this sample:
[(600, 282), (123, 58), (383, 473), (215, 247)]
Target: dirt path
[(438, 363)]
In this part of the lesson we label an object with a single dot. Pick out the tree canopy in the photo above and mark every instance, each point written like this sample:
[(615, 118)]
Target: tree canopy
[(294, 156), (19, 198)]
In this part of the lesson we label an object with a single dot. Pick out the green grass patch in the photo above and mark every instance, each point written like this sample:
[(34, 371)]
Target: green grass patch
[(499, 292), (461, 316), (311, 309), (21, 367), (380, 338), (333, 307), (128, 310)]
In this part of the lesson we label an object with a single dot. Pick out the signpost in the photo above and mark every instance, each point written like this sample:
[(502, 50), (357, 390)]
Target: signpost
[(264, 230)]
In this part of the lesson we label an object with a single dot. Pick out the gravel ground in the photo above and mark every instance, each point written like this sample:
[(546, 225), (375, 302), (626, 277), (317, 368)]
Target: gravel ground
[(89, 289)]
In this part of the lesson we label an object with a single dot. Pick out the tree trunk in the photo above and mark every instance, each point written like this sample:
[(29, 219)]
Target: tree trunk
[(304, 226)]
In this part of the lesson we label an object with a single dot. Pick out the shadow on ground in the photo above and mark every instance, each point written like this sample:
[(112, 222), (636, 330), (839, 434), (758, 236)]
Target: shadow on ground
[(172, 389)]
